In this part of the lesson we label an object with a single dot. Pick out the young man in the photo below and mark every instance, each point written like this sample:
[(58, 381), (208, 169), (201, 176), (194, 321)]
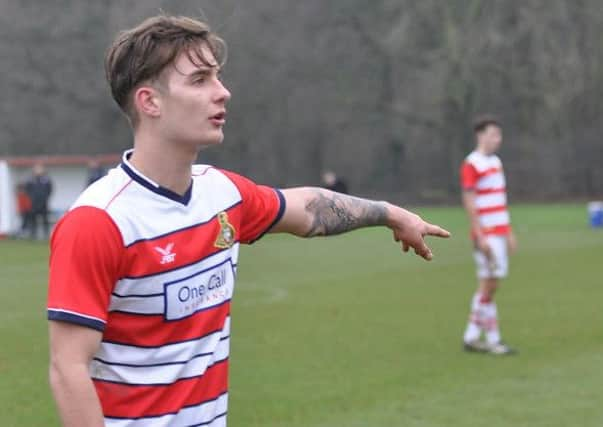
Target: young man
[(485, 200), (142, 267)]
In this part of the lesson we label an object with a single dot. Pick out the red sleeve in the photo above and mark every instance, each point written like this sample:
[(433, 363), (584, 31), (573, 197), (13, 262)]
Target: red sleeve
[(468, 176), (85, 253), (261, 207)]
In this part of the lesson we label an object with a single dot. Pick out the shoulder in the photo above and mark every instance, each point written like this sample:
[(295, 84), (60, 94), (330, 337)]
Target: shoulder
[(473, 158), (209, 181), (103, 192), (479, 161), (469, 164), (100, 206), (86, 224), (222, 179), (210, 173)]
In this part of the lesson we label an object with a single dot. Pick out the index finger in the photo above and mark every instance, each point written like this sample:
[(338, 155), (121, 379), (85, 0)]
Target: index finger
[(436, 230)]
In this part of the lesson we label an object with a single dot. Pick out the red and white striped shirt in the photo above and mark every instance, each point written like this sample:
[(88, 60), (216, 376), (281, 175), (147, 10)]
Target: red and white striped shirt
[(154, 271), (485, 176)]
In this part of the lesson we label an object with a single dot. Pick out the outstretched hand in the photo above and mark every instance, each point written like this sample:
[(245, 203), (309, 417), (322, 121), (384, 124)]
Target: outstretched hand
[(411, 229)]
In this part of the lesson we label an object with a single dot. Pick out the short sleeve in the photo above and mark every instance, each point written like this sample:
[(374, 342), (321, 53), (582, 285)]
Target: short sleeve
[(468, 176), (85, 252), (261, 207)]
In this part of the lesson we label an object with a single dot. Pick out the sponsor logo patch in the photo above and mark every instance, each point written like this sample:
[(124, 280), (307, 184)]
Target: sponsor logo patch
[(200, 291)]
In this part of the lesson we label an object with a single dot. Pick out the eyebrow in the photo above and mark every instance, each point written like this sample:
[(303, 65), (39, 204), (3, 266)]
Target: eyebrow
[(203, 71)]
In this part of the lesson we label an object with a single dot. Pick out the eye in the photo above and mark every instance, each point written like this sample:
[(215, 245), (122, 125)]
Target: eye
[(200, 79)]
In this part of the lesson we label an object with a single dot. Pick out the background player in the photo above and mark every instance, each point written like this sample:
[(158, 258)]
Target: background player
[(485, 200)]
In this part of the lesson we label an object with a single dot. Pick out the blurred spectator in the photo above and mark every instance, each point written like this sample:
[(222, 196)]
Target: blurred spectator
[(39, 189), (95, 171), (332, 182), (24, 208)]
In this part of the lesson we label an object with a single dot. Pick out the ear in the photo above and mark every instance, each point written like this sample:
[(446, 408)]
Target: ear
[(147, 101)]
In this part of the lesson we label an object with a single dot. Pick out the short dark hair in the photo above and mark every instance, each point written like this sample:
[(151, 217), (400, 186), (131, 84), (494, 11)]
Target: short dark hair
[(142, 53), (483, 121)]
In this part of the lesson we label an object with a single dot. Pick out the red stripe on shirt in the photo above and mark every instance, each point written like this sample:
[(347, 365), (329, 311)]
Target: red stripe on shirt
[(498, 230), (492, 209), (128, 401), (489, 171), (154, 331), (188, 246), (483, 191)]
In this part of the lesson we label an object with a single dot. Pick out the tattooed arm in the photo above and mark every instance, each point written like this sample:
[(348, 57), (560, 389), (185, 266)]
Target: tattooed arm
[(335, 213), (318, 212)]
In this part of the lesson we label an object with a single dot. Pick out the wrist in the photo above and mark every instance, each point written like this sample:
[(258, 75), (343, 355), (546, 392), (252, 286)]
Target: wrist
[(393, 215)]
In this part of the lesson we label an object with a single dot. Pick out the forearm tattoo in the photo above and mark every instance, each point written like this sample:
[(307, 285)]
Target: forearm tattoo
[(335, 213)]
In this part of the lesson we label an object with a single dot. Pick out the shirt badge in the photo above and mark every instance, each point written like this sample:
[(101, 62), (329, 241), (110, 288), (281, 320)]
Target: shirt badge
[(226, 235)]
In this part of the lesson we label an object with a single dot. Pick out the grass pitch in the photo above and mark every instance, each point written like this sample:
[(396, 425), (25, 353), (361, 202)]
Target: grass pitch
[(349, 332)]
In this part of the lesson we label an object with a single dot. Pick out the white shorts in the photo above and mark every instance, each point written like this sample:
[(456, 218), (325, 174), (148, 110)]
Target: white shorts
[(498, 267)]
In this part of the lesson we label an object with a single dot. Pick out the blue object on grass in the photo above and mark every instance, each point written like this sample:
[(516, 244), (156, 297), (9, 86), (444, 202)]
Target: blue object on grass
[(595, 214)]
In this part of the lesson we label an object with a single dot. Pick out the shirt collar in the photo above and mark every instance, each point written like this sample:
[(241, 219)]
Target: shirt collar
[(152, 185)]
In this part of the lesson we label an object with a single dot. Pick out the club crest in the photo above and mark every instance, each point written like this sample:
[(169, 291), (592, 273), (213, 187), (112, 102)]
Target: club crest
[(226, 234)]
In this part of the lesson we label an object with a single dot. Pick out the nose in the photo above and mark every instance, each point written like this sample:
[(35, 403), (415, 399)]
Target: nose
[(222, 94)]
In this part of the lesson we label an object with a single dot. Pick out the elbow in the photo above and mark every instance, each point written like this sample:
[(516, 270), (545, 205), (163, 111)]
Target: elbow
[(303, 216), (311, 228), (61, 373), (56, 375), (307, 232)]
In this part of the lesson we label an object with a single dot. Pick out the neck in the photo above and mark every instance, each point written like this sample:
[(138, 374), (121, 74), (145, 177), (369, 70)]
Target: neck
[(482, 150), (167, 164)]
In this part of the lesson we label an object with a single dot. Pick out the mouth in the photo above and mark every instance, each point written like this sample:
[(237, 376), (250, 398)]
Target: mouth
[(218, 119)]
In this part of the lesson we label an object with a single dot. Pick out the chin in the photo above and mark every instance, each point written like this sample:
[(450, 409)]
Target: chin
[(210, 142)]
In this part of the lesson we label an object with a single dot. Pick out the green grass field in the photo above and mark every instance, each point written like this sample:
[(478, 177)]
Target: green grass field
[(349, 332)]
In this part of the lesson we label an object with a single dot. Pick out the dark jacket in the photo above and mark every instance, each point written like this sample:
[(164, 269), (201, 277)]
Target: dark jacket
[(39, 189)]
